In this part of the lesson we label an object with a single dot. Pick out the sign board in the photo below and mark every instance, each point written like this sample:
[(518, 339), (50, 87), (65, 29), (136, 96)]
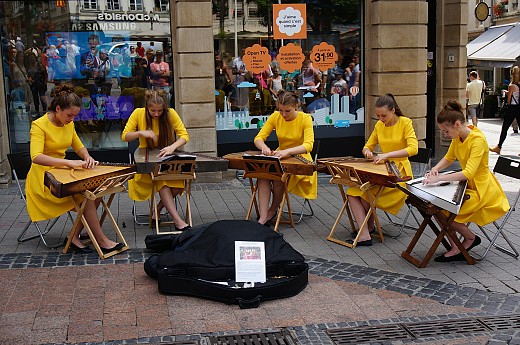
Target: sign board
[(290, 57), (324, 56), (256, 58), (289, 21)]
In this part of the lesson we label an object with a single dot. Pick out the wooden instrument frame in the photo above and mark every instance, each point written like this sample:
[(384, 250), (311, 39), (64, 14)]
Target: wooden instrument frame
[(62, 189), (145, 160), (295, 165), (172, 170), (345, 175), (272, 170), (109, 187), (429, 211)]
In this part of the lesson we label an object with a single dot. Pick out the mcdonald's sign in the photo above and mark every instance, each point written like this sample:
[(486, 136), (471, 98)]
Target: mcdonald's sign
[(60, 3)]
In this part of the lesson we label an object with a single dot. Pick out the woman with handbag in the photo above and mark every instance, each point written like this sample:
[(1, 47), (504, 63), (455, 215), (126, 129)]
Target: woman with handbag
[(513, 107)]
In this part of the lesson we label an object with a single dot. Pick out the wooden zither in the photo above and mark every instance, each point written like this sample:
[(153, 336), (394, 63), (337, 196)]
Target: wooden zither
[(296, 165), (145, 160), (64, 181), (368, 177), (378, 174)]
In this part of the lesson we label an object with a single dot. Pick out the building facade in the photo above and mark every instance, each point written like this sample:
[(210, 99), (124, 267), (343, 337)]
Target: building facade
[(417, 53)]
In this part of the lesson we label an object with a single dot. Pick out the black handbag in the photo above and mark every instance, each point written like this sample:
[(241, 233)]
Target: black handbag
[(201, 262)]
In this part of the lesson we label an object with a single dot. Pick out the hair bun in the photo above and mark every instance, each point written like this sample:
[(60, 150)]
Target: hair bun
[(454, 105)]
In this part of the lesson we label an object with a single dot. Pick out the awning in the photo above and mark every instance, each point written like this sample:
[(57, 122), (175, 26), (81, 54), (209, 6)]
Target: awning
[(499, 46)]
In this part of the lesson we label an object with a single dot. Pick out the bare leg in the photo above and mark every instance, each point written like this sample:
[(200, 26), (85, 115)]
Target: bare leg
[(474, 120), (468, 235), (277, 199), (359, 212), (92, 218), (264, 196), (167, 197), (160, 206)]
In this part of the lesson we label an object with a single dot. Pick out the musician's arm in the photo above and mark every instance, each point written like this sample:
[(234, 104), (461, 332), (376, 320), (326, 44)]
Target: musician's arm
[(260, 138), (46, 160)]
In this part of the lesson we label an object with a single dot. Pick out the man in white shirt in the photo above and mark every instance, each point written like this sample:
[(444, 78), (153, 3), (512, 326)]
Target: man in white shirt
[(474, 93)]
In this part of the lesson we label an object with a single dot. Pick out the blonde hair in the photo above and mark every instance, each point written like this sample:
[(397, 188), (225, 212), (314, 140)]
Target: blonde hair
[(515, 75)]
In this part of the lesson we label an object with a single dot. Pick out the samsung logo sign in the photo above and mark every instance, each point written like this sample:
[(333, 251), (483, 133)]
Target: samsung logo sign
[(137, 17)]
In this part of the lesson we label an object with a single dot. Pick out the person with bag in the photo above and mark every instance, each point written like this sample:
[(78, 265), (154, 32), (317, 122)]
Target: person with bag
[(513, 108), (474, 93)]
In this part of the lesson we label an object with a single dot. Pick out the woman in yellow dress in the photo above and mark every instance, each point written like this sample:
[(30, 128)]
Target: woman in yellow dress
[(396, 137), (487, 201), (157, 126), (295, 136), (51, 135)]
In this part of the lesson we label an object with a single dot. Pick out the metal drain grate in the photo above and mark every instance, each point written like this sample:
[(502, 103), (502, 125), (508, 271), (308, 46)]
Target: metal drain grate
[(499, 323), (283, 337), (186, 342), (368, 333), (403, 331), (435, 328)]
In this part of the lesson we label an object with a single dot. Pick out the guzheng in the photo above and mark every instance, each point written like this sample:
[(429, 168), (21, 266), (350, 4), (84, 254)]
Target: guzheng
[(380, 174), (145, 160), (296, 165), (447, 195), (64, 182)]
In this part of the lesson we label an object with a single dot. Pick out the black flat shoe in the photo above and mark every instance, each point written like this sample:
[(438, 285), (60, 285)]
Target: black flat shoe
[(183, 229), (76, 249), (366, 243), (109, 250), (475, 243), (354, 233), (457, 257)]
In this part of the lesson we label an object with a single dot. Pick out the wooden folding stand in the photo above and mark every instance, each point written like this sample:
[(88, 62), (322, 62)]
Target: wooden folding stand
[(109, 187), (344, 175), (182, 169), (444, 219), (268, 169)]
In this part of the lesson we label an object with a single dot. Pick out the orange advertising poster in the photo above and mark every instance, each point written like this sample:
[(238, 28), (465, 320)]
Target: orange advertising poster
[(289, 21), (256, 58), (290, 57), (324, 56)]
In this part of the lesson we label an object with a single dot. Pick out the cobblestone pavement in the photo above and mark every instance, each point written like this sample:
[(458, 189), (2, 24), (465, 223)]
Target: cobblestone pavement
[(50, 297)]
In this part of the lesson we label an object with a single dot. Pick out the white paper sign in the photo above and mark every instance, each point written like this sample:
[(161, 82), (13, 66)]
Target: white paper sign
[(250, 262)]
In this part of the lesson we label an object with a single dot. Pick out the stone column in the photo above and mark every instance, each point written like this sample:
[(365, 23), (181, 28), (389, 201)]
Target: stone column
[(192, 46), (452, 36), (395, 59)]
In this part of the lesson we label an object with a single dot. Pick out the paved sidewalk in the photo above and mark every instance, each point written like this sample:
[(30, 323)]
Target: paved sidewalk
[(49, 297)]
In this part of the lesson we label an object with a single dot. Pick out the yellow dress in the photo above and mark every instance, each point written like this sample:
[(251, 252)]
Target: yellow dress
[(397, 137), (487, 201), (140, 187), (291, 134), (51, 140)]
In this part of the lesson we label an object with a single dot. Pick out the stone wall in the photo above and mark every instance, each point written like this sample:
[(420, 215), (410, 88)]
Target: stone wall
[(395, 58), (452, 36)]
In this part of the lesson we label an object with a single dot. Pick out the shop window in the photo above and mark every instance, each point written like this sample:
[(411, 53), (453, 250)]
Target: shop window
[(328, 80), (98, 56)]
